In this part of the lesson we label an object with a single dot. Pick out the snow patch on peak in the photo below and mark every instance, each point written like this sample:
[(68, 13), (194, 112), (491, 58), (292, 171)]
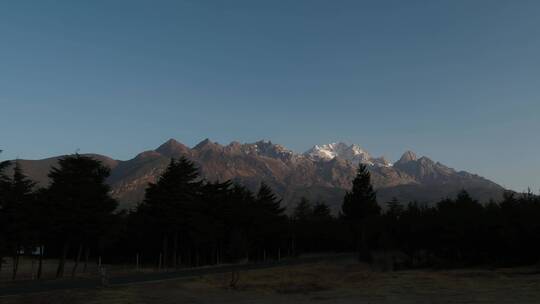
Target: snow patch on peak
[(353, 153)]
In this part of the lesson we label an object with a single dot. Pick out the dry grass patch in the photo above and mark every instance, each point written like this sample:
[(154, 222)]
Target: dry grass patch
[(338, 282), (294, 279)]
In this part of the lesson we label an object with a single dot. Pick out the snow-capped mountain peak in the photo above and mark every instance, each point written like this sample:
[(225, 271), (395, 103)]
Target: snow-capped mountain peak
[(326, 152), (353, 153)]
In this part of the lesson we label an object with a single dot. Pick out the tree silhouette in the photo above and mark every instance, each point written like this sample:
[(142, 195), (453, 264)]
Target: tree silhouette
[(303, 211), (169, 203), (241, 220), (3, 165), (268, 202), (321, 211), (361, 201), (80, 203), (4, 186), (460, 227), (394, 208), (269, 221), (16, 199), (360, 209)]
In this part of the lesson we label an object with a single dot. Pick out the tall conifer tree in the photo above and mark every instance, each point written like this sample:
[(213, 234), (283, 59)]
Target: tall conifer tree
[(361, 201), (80, 203), (170, 204), (17, 198), (303, 210)]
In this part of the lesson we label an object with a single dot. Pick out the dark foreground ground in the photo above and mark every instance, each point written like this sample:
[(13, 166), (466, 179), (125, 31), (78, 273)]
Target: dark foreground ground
[(338, 281)]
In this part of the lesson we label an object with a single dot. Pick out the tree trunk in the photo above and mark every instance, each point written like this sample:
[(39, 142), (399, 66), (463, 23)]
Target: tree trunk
[(86, 258), (359, 249), (77, 260), (293, 246), (175, 250), (40, 263), (62, 261), (15, 264), (165, 251), (235, 276), (363, 252), (33, 272)]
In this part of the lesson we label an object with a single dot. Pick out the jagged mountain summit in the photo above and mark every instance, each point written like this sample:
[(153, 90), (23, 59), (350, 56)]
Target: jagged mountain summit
[(353, 153), (407, 157), (324, 172)]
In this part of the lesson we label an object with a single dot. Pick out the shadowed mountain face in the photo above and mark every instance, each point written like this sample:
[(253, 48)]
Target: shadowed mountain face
[(322, 173)]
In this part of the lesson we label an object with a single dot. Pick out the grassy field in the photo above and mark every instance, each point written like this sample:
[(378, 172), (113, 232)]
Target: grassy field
[(336, 282), (28, 269)]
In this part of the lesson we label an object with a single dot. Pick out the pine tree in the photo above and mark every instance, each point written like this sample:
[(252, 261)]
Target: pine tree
[(79, 202), (210, 223), (361, 201), (4, 184), (17, 199), (242, 219), (460, 221), (303, 211), (321, 211), (269, 221), (359, 209), (170, 204), (394, 208), (4, 179), (173, 194), (3, 166), (268, 202)]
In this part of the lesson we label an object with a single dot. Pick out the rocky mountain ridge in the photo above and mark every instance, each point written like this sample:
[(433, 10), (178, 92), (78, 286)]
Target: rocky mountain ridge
[(324, 172)]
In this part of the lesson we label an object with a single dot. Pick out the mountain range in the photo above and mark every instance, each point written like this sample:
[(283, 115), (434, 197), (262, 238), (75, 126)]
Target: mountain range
[(324, 172)]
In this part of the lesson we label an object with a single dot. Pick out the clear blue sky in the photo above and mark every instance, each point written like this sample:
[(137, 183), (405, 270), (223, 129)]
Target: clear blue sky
[(457, 81)]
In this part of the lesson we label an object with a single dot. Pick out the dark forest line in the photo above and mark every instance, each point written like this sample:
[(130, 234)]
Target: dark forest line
[(186, 221)]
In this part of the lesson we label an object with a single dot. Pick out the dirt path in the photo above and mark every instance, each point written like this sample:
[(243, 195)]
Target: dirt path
[(29, 287)]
